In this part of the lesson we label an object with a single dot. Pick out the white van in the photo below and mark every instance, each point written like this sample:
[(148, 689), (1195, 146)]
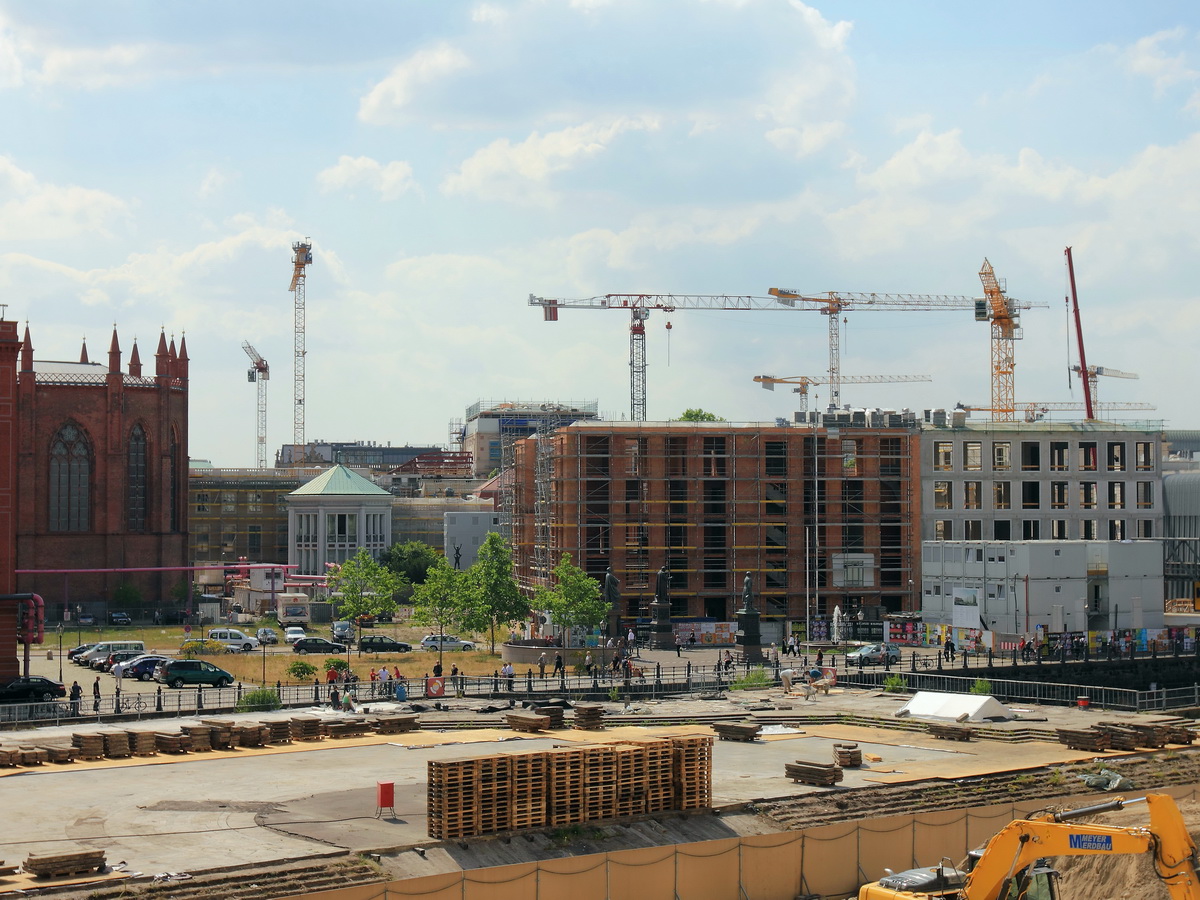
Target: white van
[(105, 649), (233, 639)]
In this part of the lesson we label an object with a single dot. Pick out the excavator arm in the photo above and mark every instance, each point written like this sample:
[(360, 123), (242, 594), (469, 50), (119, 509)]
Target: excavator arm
[(1021, 843)]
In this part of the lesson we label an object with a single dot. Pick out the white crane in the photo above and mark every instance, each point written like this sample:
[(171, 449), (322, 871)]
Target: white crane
[(259, 372)]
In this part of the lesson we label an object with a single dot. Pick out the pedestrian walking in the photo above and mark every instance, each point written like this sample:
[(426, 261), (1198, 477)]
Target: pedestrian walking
[(96, 695), (76, 696), (678, 647), (558, 664), (820, 658), (632, 639), (692, 641), (542, 666), (587, 663)]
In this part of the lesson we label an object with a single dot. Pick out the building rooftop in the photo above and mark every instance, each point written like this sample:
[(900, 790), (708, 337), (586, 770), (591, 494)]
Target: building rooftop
[(340, 481)]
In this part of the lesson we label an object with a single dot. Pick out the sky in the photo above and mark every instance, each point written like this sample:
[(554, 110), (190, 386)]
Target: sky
[(448, 160)]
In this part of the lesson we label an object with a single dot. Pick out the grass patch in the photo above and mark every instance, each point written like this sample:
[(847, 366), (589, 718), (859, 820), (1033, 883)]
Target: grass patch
[(895, 684), (755, 679), (262, 700)]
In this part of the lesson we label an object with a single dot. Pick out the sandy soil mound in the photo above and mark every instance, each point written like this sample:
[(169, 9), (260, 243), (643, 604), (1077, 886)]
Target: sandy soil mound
[(1120, 877)]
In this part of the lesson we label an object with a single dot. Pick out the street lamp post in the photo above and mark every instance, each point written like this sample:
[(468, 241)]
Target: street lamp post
[(59, 629)]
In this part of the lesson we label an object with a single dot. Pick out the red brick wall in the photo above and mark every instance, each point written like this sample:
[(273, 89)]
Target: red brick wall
[(9, 345)]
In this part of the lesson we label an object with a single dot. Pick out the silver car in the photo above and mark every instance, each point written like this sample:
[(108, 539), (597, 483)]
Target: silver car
[(445, 642), (873, 655)]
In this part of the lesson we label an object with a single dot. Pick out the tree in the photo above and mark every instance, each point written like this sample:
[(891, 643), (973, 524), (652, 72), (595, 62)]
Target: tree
[(440, 601), (492, 597), (698, 415), (411, 560), (575, 600), (366, 587)]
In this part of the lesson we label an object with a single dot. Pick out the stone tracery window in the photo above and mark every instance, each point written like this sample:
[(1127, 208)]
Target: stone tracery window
[(70, 480), (135, 481)]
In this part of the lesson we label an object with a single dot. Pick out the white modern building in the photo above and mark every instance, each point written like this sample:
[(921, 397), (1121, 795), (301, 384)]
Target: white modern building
[(465, 532), (1013, 588), (334, 516)]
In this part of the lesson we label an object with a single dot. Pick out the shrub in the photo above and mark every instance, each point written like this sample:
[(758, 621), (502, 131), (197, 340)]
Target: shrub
[(338, 664), (202, 648), (301, 670), (981, 686), (755, 678), (895, 684), (260, 700)]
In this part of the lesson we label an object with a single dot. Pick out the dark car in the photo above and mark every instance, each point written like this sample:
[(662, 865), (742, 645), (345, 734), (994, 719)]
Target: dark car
[(317, 645), (119, 618), (381, 643), (74, 652), (33, 689), (179, 672)]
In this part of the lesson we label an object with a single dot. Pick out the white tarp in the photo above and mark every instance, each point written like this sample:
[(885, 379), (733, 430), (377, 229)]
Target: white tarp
[(955, 707)]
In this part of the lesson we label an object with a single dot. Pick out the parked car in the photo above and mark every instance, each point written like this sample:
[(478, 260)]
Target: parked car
[(117, 656), (31, 689), (294, 633), (317, 645), (87, 619), (267, 636), (343, 631), (381, 643), (140, 667), (180, 672), (873, 655), (119, 618), (233, 639), (445, 642), (74, 653)]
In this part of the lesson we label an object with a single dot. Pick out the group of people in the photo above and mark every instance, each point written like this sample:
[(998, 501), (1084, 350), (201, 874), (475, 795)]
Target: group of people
[(809, 681), (558, 665)]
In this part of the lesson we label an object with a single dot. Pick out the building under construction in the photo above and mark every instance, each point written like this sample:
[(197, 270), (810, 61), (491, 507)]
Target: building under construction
[(822, 515)]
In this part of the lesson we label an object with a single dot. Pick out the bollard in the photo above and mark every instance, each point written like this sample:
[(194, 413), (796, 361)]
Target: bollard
[(939, 662), (158, 707), (529, 681), (316, 692), (117, 700), (199, 697), (991, 661), (239, 692), (658, 674)]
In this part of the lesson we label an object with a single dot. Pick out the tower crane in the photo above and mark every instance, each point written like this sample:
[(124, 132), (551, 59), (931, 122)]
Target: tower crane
[(639, 307), (1086, 373), (1034, 411), (997, 307), (302, 256), (259, 372), (803, 382)]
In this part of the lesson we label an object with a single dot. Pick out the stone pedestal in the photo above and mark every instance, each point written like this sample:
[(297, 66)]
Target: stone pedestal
[(661, 636), (749, 638)]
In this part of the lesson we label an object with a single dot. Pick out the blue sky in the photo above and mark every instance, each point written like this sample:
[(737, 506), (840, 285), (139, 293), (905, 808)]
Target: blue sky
[(449, 159)]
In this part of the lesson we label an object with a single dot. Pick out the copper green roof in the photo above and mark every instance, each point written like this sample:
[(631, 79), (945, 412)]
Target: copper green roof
[(340, 482)]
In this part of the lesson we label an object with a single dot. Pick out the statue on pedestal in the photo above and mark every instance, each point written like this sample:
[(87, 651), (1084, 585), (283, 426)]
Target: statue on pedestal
[(612, 588), (662, 587), (747, 593)]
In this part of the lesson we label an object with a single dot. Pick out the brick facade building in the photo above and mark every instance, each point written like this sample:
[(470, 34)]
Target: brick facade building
[(820, 517), (101, 462)]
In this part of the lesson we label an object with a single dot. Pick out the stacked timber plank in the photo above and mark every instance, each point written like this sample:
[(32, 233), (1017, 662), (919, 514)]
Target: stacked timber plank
[(822, 774), (142, 743), (10, 756), (555, 714), (33, 756), (1084, 739), (344, 728), (280, 731), (568, 785), (59, 865), (306, 728), (253, 735), (589, 716), (88, 746), (1178, 732), (848, 756), (397, 724), (1120, 737), (951, 732), (220, 735), (200, 737), (116, 745), (527, 722), (59, 754), (737, 731), (1146, 734), (171, 742)]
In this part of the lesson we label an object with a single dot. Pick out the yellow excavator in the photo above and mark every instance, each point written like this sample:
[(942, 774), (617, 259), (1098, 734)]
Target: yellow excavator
[(1013, 864)]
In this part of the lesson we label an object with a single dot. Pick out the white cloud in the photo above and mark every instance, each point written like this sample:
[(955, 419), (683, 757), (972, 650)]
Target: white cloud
[(11, 68), (489, 14), (31, 210), (801, 142), (214, 182), (1147, 57), (102, 67), (384, 100), (520, 172), (391, 181)]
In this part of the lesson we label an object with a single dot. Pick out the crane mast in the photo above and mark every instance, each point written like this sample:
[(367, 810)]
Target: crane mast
[(259, 372), (1006, 329), (302, 257)]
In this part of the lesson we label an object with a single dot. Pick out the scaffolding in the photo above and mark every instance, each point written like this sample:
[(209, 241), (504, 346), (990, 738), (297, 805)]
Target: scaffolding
[(821, 512)]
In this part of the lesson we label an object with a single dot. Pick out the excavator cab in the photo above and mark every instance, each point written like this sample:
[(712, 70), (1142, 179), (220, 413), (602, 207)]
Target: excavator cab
[(1036, 882)]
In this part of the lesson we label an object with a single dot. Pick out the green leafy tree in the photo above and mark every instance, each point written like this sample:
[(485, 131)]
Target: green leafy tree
[(411, 560), (301, 670), (440, 601), (126, 596), (492, 598), (366, 587), (575, 600), (698, 415)]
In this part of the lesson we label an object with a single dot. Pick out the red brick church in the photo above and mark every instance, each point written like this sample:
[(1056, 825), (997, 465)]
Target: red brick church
[(93, 475)]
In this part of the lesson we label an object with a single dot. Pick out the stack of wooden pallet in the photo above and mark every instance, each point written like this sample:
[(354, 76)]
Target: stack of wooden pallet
[(1120, 737), (632, 779), (60, 754), (951, 732), (822, 774), (737, 731), (660, 781), (344, 728), (452, 798), (555, 714), (251, 735), (200, 737), (848, 756), (493, 794), (220, 734), (527, 722), (589, 716), (396, 724), (88, 746), (565, 777), (529, 790), (116, 745), (142, 743), (10, 756), (692, 770), (306, 728), (60, 865), (1179, 732), (34, 756), (171, 742), (599, 782), (1084, 739), (1146, 734), (280, 731)]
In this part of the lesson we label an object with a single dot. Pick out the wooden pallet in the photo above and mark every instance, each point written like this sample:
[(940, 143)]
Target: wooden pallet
[(821, 774), (168, 742), (33, 756), (951, 732), (88, 746), (280, 731), (1147, 735), (527, 722), (589, 717), (848, 756), (1120, 737), (1086, 739), (556, 715), (737, 731), (397, 724), (142, 743), (306, 728), (60, 865), (59, 754)]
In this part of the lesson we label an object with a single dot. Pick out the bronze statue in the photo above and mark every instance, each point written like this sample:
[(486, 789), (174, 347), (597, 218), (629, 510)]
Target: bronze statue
[(662, 586), (747, 593), (612, 588)]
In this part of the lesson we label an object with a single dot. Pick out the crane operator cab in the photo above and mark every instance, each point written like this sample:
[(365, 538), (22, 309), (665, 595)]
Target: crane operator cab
[(1035, 882)]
